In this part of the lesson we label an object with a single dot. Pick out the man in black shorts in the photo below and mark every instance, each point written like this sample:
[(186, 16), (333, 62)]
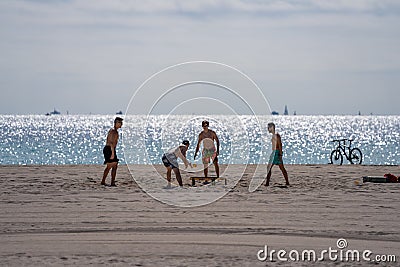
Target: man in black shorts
[(109, 151)]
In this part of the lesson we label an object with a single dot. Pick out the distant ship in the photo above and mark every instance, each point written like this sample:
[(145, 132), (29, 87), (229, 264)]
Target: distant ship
[(286, 112), (54, 112), (119, 113), (274, 113)]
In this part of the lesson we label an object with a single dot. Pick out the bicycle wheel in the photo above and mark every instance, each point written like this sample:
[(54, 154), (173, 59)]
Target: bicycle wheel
[(356, 156), (336, 157)]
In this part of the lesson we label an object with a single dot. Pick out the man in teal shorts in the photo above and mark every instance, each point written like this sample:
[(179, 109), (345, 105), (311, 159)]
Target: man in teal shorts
[(276, 156)]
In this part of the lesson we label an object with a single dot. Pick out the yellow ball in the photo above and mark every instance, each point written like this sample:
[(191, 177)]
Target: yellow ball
[(356, 182), (194, 165)]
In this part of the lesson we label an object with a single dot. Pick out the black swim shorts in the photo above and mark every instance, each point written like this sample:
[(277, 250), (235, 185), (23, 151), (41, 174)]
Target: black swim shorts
[(107, 155)]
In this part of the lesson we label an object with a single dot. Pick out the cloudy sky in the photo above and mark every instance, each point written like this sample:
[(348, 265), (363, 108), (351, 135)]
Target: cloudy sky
[(90, 56)]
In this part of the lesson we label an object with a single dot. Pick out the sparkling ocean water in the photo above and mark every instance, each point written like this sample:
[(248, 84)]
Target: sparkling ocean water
[(79, 139)]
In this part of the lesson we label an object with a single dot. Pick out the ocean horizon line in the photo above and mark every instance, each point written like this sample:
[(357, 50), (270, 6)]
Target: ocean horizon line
[(203, 114)]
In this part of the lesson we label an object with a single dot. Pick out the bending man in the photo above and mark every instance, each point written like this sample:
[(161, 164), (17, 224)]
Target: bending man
[(170, 160)]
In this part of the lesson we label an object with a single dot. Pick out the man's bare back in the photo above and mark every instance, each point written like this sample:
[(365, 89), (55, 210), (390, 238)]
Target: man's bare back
[(276, 142), (112, 140)]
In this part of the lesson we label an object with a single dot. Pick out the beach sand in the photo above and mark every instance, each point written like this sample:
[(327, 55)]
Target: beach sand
[(61, 215)]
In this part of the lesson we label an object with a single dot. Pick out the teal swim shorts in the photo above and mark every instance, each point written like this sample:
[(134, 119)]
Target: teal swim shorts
[(275, 159)]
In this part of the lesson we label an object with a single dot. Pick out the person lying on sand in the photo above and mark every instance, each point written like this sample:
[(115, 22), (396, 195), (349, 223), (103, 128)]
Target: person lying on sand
[(170, 160)]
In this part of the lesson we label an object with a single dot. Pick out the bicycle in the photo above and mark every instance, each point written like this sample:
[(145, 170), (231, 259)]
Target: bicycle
[(355, 156)]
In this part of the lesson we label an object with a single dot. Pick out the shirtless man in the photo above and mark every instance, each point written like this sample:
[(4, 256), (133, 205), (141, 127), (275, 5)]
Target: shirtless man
[(276, 156), (209, 152), (110, 156), (170, 161)]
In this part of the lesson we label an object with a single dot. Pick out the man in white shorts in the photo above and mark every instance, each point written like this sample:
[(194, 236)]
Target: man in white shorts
[(170, 160), (210, 153)]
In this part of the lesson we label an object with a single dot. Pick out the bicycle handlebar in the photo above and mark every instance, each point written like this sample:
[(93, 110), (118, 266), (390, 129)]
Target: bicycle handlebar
[(338, 140), (341, 140)]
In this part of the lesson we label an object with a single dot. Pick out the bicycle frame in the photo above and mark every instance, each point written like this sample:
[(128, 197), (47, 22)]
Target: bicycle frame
[(342, 148), (354, 155)]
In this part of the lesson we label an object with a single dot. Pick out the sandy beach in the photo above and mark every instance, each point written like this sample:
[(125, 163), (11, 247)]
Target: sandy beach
[(61, 215)]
